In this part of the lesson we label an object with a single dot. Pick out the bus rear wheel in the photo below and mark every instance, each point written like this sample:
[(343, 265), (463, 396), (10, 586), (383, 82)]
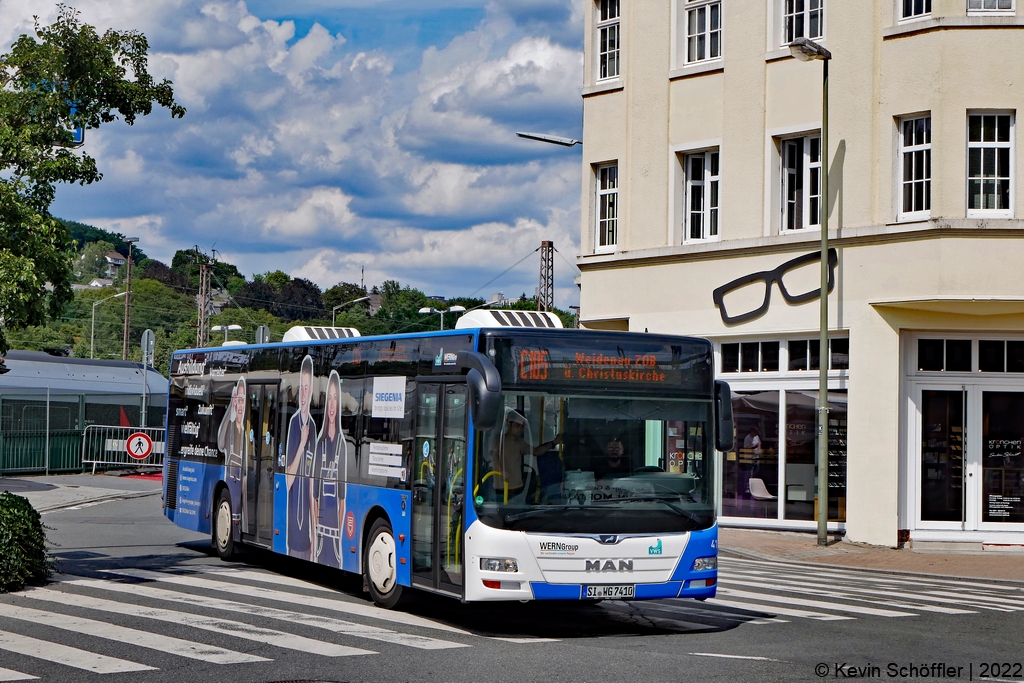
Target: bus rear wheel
[(223, 540), (380, 565)]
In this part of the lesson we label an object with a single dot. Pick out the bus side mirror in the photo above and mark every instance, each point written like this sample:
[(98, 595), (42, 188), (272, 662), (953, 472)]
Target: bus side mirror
[(724, 432), (484, 389)]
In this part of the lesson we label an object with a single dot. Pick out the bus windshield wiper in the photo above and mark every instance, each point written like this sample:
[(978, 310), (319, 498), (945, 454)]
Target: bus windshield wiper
[(516, 516), (683, 512)]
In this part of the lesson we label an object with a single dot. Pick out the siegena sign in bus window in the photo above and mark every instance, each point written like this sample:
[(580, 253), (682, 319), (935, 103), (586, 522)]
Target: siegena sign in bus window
[(607, 435)]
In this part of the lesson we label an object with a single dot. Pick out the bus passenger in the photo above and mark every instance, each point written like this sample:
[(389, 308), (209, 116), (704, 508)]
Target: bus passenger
[(299, 470), (331, 463)]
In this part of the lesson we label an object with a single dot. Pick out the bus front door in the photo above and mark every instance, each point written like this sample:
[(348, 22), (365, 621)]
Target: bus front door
[(259, 471), (439, 487)]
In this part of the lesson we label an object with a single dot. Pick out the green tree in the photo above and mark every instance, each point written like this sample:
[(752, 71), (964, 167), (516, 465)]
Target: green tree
[(64, 77), (344, 292)]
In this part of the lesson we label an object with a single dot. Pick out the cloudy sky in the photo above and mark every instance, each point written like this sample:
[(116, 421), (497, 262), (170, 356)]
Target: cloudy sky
[(323, 136)]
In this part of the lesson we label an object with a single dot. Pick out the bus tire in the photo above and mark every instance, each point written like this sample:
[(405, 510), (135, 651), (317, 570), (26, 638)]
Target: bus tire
[(223, 539), (380, 565)]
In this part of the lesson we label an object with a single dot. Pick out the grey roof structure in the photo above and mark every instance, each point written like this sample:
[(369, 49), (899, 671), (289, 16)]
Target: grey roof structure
[(31, 372)]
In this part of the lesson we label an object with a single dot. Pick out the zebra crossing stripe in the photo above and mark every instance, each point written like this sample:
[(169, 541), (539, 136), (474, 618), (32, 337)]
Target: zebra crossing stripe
[(261, 577), (328, 623), (848, 593), (68, 656), (311, 601), (225, 626), (9, 675), (153, 641), (773, 609), (817, 604)]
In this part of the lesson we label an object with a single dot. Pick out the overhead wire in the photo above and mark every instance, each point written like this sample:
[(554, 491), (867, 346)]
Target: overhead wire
[(505, 271)]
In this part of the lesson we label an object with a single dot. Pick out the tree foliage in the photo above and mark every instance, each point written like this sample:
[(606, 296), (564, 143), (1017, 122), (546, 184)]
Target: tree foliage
[(66, 76)]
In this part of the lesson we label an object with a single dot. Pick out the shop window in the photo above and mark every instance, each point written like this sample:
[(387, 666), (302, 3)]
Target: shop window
[(1002, 466), (730, 357), (769, 356), (840, 353), (750, 476), (805, 354), (798, 354), (801, 455)]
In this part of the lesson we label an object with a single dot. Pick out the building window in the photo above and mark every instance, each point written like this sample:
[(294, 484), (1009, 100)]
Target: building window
[(915, 9), (801, 183), (985, 6), (701, 195), (608, 39), (703, 31), (989, 141), (607, 206), (803, 19), (916, 159)]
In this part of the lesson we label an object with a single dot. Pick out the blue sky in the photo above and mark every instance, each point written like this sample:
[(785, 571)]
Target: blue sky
[(323, 136)]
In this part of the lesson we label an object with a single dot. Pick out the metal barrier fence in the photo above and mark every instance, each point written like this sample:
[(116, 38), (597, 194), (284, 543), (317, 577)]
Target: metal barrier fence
[(26, 451), (108, 444)]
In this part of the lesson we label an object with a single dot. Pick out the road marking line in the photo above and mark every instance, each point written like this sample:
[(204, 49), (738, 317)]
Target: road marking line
[(68, 656), (844, 593), (9, 675), (526, 640), (698, 612), (315, 620), (153, 641), (225, 626), (756, 659), (273, 579), (784, 611), (313, 601), (1006, 603), (818, 604)]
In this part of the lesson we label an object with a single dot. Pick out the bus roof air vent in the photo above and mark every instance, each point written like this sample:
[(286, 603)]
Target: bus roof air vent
[(506, 318), (308, 333)]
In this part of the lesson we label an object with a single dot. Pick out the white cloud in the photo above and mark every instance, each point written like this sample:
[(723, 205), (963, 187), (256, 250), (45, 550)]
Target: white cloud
[(320, 209)]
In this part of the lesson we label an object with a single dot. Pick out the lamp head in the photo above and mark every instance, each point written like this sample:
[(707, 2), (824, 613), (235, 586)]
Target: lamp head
[(553, 139), (427, 309), (805, 50), (131, 240), (234, 327), (456, 309)]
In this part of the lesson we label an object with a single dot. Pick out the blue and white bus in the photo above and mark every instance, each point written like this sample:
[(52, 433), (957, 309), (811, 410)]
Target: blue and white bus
[(507, 459)]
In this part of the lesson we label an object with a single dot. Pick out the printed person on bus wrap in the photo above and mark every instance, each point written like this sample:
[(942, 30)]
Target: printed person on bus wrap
[(232, 440), (330, 468), (299, 469)]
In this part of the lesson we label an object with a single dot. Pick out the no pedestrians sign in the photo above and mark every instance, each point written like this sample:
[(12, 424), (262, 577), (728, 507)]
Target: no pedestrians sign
[(139, 446)]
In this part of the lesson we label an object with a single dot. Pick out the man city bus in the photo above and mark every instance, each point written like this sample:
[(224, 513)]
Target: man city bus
[(508, 459)]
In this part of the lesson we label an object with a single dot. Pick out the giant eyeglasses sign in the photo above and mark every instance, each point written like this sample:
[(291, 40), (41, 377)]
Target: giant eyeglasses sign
[(773, 276)]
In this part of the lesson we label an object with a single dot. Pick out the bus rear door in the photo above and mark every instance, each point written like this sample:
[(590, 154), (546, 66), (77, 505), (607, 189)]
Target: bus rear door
[(258, 514)]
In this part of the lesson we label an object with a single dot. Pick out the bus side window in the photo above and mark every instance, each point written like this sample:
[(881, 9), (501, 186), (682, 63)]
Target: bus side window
[(387, 437), (351, 400)]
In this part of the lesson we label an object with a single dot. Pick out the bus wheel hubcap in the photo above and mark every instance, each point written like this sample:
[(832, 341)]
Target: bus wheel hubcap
[(382, 562), (223, 524)]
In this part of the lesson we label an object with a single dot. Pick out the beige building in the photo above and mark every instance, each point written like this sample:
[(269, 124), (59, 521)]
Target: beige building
[(702, 166)]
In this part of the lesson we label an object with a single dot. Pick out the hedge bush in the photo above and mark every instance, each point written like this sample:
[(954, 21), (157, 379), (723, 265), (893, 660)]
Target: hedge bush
[(23, 555)]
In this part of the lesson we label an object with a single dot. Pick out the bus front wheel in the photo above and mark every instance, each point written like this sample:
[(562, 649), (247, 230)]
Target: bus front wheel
[(223, 540), (380, 565)]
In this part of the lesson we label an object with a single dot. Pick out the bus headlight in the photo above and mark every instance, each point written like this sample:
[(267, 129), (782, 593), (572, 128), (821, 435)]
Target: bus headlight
[(496, 564), (703, 563)]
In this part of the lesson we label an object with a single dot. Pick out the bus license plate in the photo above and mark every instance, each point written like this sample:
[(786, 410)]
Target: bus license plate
[(611, 592)]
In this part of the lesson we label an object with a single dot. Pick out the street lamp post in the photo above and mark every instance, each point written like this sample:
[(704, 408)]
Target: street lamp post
[(226, 329), (450, 309), (334, 311), (128, 299), (92, 333), (807, 50)]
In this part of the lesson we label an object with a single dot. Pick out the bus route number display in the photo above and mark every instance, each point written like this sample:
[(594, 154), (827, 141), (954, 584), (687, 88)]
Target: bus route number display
[(537, 365)]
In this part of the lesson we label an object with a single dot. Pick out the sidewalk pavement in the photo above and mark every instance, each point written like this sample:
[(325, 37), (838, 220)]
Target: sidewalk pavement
[(60, 492), (803, 548)]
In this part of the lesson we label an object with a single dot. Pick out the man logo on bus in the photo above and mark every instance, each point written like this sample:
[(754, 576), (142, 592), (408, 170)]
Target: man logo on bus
[(302, 438), (609, 566)]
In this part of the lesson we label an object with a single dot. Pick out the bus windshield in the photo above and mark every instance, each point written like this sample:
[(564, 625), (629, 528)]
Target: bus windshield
[(583, 464)]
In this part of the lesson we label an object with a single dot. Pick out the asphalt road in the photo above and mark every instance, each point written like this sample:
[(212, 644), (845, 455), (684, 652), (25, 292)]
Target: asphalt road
[(175, 613)]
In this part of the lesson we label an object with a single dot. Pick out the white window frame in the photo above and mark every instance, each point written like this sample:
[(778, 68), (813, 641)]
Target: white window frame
[(604, 28), (709, 187), (920, 151), (913, 15), (701, 11), (984, 11), (806, 171), (606, 197), (991, 213), (801, 11)]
